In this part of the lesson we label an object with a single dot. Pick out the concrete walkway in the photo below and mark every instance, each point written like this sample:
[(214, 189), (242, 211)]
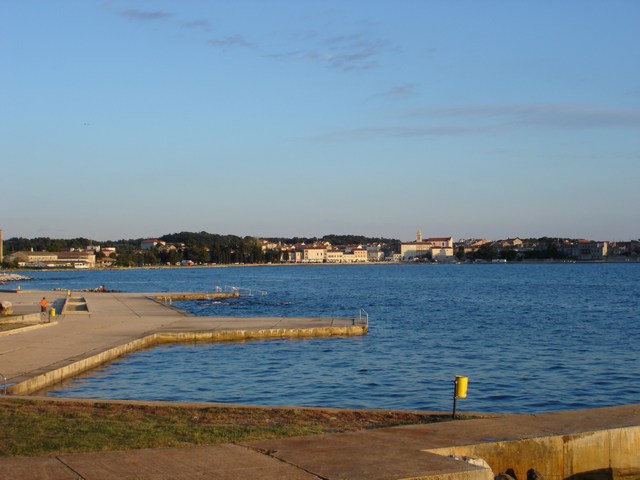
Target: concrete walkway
[(601, 442), (108, 325)]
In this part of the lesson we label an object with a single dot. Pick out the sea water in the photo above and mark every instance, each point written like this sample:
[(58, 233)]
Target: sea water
[(530, 337)]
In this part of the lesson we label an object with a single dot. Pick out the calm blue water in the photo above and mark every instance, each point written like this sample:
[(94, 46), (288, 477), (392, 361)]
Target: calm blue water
[(530, 338)]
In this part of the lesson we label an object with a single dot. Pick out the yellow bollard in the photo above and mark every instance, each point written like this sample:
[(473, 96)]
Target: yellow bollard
[(52, 312), (18, 287), (68, 293), (461, 386)]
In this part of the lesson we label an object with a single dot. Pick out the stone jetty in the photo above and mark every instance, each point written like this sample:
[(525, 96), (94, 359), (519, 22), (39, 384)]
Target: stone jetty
[(12, 277), (92, 328)]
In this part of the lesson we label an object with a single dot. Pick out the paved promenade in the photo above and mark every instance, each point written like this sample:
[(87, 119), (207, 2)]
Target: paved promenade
[(559, 445), (598, 442)]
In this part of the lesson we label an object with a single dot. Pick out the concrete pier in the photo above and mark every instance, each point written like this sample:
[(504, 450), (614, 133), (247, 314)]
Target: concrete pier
[(93, 328)]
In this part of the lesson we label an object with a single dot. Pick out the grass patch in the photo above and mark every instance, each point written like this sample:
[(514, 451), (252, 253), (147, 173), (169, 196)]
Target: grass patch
[(41, 427), (6, 325)]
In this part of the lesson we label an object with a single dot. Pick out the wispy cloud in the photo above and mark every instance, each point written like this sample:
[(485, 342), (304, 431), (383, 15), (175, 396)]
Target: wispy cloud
[(354, 52), (230, 41), (203, 25), (399, 91), (552, 115), (491, 120), (145, 15), (347, 53), (405, 131)]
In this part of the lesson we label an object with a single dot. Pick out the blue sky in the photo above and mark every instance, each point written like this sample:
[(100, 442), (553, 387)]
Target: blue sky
[(494, 119)]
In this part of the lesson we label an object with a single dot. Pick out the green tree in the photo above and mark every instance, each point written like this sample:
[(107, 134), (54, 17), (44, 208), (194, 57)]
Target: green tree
[(127, 255), (486, 252), (252, 250), (8, 264), (149, 257), (196, 254), (508, 254)]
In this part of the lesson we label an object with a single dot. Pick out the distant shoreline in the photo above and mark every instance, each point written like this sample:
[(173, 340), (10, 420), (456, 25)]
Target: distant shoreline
[(11, 271)]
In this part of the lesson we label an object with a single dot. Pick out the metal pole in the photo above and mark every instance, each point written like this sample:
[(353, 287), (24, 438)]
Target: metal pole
[(455, 398)]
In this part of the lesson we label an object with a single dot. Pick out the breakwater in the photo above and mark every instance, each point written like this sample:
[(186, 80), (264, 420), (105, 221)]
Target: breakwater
[(12, 277)]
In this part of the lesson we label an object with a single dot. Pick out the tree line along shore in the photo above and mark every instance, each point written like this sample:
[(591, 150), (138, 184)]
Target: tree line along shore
[(213, 249)]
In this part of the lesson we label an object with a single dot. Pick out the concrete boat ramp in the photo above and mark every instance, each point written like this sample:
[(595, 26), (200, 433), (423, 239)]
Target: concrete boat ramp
[(92, 328)]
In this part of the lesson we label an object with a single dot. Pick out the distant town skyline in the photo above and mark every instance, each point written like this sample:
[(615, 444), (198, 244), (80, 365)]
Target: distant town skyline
[(131, 119)]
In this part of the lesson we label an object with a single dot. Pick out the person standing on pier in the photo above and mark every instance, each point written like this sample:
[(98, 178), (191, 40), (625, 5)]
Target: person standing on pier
[(43, 305)]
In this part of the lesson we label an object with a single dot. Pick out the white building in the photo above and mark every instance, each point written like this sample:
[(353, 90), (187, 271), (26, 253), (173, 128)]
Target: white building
[(375, 255), (442, 254), (588, 250), (335, 256), (360, 254), (150, 243), (441, 242), (439, 248), (74, 259), (314, 254)]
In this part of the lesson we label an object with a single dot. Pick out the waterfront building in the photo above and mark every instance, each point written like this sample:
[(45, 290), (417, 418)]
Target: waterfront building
[(105, 262), (587, 250), (295, 255), (394, 257), (442, 254), (440, 247), (410, 251), (441, 242), (360, 254), (314, 254), (375, 254), (73, 259), (335, 256)]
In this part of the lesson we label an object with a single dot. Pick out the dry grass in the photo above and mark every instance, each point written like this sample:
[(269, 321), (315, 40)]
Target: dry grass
[(5, 327), (42, 427)]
